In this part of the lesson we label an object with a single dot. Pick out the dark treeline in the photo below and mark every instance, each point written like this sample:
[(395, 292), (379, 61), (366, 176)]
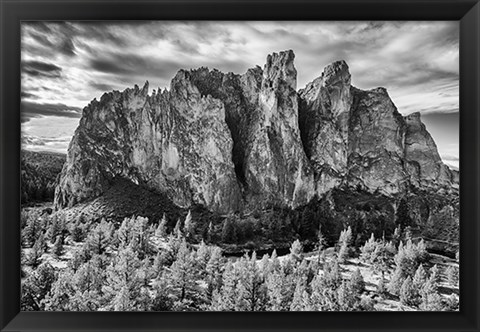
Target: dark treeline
[(39, 171)]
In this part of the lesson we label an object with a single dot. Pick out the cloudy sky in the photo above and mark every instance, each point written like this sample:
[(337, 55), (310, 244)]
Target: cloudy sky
[(67, 64)]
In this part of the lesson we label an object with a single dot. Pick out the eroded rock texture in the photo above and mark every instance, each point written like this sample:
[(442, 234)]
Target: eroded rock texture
[(232, 142)]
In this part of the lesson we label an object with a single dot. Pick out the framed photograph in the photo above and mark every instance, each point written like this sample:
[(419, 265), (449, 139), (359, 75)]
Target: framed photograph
[(239, 165)]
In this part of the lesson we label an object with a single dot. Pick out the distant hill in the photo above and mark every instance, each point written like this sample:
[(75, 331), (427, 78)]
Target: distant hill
[(39, 172)]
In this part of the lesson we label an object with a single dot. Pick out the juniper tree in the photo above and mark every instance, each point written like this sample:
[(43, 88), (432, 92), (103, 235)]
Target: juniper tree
[(381, 286), (226, 299), (368, 249), (141, 235), (29, 233), (161, 230), (418, 282), (356, 283), (452, 275), (251, 290), (123, 271), (188, 226), (101, 236), (124, 233), (177, 231), (77, 231), (276, 291), (407, 293), (55, 229), (321, 243), (59, 296), (36, 287), (58, 246), (214, 270), (202, 257), (296, 251), (183, 274), (301, 298), (33, 258), (89, 277), (344, 243)]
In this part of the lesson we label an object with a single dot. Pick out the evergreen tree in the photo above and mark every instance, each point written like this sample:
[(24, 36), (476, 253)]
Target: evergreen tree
[(296, 251), (182, 274), (434, 275), (124, 234), (396, 281), (177, 231), (58, 298), (58, 246), (188, 226), (202, 258), (344, 243), (347, 299), (121, 301), (226, 298), (76, 261), (160, 298), (402, 215), (214, 270), (453, 275), (141, 235), (407, 293), (29, 233), (42, 243), (381, 286), (356, 283), (77, 231), (34, 257), (161, 230), (368, 249), (100, 238), (321, 243), (55, 229), (251, 290), (36, 287), (276, 292), (123, 271), (301, 299)]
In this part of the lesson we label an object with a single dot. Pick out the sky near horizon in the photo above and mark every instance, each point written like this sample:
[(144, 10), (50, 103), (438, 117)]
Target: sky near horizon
[(67, 64)]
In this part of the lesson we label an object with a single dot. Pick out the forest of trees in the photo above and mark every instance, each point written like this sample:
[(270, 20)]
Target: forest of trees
[(148, 266), (39, 171)]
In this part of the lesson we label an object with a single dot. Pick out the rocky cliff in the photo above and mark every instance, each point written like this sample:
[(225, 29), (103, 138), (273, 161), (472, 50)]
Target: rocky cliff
[(232, 142)]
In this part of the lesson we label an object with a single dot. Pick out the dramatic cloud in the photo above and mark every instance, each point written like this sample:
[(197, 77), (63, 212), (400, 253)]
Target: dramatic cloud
[(39, 68), (32, 110), (70, 63)]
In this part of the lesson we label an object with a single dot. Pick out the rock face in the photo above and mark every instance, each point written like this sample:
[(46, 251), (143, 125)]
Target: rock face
[(357, 138), (176, 141), (324, 116), (231, 142), (426, 166)]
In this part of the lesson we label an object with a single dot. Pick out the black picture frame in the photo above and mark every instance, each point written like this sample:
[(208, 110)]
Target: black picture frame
[(15, 11)]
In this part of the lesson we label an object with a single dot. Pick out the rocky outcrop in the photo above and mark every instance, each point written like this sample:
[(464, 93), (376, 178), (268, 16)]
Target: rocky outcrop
[(357, 138), (175, 141), (323, 118), (424, 163), (276, 167), (232, 142), (376, 143)]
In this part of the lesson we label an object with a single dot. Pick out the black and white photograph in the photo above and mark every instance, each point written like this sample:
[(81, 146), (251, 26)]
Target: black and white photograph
[(240, 166)]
